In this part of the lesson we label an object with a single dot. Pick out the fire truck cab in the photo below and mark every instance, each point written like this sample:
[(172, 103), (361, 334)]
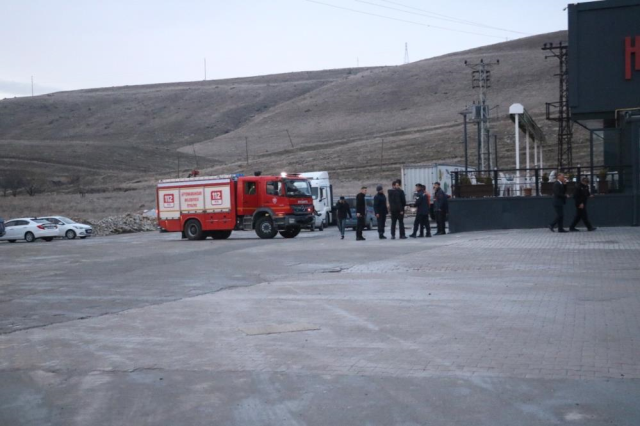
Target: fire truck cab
[(214, 206)]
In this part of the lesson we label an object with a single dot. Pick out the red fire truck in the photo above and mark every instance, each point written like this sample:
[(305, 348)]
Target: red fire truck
[(213, 206)]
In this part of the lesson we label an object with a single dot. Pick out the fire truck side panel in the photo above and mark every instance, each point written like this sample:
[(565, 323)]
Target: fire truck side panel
[(211, 202)]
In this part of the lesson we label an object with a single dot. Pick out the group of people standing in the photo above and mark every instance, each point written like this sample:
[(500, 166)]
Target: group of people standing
[(394, 206)]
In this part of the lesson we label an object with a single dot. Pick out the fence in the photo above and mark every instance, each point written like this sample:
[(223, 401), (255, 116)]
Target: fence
[(538, 182)]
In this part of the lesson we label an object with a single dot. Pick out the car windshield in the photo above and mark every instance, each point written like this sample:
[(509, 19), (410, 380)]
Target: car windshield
[(298, 188), (66, 220), (314, 192)]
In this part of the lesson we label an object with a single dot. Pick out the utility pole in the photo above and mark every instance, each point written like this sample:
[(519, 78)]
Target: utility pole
[(195, 155), (495, 150), (479, 149), (290, 141), (563, 115), (466, 139), (406, 53), (481, 80)]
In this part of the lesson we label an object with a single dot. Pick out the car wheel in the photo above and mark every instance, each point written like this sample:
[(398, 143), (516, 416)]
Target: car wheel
[(265, 228), (70, 234), (193, 230), (48, 239), (12, 241), (290, 232), (29, 237)]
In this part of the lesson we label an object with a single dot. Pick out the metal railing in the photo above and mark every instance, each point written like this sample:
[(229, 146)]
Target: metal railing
[(538, 182)]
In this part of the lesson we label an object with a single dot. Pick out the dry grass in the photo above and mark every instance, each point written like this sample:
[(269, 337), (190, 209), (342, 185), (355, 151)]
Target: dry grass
[(91, 207), (125, 138)]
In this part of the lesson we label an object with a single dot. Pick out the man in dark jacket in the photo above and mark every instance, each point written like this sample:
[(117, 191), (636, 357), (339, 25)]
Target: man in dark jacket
[(581, 196), (344, 211), (381, 211), (425, 223), (441, 207), (397, 203), (559, 200), (361, 212), (422, 211)]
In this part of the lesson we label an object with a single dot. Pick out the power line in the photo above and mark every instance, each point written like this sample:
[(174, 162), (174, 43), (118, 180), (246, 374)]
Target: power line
[(404, 20), (441, 16)]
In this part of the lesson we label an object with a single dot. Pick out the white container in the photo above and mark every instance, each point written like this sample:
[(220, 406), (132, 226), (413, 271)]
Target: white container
[(428, 174)]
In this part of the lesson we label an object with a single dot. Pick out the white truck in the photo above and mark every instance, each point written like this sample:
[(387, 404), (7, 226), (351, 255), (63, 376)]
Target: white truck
[(428, 174), (322, 192)]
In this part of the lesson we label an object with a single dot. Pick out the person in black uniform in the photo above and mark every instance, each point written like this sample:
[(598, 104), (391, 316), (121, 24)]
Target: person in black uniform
[(425, 223), (361, 213), (581, 196), (422, 211), (344, 211), (397, 203), (559, 200), (381, 210), (441, 207)]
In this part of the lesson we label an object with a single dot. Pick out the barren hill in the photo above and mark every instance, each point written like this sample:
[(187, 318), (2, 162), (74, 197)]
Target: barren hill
[(331, 120)]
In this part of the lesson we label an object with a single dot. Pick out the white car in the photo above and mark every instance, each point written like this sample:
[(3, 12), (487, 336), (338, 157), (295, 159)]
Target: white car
[(29, 230), (68, 228)]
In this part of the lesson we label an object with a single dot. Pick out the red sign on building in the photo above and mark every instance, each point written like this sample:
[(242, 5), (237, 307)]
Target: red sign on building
[(628, 51)]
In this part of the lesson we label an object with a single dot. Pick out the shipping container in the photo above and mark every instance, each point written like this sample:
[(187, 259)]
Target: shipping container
[(428, 174)]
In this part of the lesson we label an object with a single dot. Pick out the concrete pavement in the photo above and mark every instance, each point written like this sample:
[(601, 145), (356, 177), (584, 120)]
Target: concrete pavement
[(502, 328)]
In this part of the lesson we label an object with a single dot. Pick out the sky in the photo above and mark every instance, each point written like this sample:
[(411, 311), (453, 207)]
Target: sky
[(73, 44)]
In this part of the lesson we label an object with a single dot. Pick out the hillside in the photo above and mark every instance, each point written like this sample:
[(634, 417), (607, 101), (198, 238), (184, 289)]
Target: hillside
[(125, 132), (125, 137)]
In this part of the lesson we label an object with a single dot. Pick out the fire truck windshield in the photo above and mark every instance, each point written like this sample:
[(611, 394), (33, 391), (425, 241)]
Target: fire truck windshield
[(297, 188)]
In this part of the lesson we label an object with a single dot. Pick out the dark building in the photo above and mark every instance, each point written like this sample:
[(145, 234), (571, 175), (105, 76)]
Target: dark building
[(604, 82)]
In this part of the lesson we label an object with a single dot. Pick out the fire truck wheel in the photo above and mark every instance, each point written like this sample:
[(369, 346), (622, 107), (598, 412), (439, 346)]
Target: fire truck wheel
[(220, 235), (265, 228), (193, 230), (290, 232)]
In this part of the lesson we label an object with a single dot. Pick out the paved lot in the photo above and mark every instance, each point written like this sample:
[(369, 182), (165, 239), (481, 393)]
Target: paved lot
[(501, 328)]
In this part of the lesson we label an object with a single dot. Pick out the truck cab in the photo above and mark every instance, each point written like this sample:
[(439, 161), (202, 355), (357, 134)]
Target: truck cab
[(322, 192), (270, 204)]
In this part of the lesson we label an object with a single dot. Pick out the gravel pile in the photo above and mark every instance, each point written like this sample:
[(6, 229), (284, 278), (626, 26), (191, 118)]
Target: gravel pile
[(125, 224)]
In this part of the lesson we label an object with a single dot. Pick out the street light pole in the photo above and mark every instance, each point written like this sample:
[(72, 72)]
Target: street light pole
[(466, 140)]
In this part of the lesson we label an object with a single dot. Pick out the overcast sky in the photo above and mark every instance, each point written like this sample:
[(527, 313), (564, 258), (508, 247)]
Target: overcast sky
[(76, 44)]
